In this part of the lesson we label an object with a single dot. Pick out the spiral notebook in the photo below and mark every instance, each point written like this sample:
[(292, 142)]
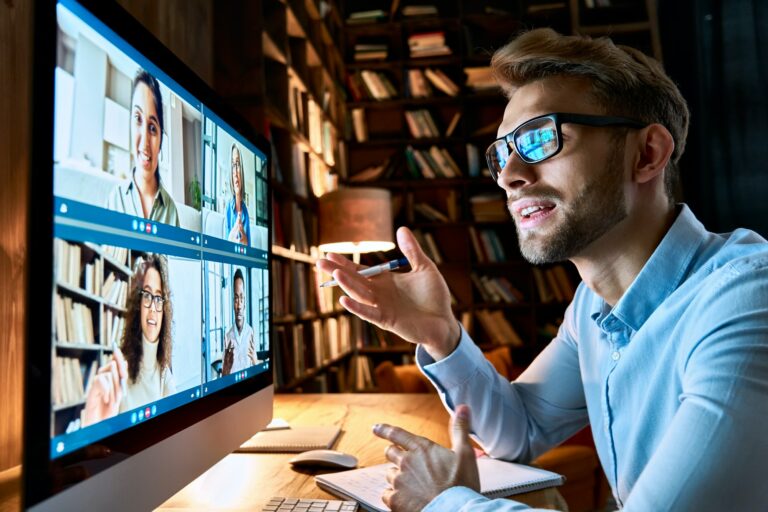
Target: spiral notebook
[(295, 439), (498, 479)]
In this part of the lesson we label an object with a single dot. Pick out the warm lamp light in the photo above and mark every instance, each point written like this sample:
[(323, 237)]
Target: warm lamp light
[(355, 221)]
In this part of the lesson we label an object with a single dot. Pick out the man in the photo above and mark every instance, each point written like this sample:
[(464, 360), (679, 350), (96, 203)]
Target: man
[(239, 343), (664, 349)]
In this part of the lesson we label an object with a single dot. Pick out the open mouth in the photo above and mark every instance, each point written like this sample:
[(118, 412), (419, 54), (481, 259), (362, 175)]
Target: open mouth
[(533, 212)]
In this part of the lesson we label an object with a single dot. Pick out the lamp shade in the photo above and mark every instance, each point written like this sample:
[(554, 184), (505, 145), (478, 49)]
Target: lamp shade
[(356, 220)]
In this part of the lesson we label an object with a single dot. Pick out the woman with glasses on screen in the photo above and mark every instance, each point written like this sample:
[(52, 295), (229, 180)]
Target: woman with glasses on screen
[(140, 370), (238, 226), (144, 195)]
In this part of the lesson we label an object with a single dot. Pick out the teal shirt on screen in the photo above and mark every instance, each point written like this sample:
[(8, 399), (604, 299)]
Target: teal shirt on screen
[(673, 380)]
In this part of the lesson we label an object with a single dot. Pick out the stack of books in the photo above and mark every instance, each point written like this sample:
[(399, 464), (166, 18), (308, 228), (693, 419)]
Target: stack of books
[(364, 17), (412, 11), (421, 124), (428, 44), (489, 208), (480, 78), (370, 51), (433, 163), (367, 84), (441, 81)]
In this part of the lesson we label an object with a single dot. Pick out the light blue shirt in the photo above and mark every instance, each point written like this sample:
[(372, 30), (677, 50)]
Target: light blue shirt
[(673, 381)]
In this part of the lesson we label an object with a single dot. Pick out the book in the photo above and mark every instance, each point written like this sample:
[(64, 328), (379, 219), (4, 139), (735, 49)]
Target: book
[(292, 440), (453, 123), (498, 479)]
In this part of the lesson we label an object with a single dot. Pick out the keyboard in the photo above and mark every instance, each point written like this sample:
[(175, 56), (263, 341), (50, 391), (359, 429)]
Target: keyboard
[(278, 504)]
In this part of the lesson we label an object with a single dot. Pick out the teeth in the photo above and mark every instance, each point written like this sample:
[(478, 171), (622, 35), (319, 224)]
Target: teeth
[(530, 209)]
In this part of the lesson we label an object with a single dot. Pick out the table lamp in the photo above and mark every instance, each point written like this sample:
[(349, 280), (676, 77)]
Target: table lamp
[(355, 221)]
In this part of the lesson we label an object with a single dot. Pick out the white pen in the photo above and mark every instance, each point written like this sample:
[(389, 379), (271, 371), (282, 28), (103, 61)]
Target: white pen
[(374, 271)]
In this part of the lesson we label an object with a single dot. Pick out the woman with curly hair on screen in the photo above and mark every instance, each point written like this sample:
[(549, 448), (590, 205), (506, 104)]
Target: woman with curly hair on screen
[(140, 370)]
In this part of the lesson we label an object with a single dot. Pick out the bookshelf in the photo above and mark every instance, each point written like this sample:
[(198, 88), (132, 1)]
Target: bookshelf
[(91, 283), (441, 115), (279, 63)]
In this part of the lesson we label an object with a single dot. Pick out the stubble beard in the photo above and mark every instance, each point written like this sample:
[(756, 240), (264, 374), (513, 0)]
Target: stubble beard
[(598, 207)]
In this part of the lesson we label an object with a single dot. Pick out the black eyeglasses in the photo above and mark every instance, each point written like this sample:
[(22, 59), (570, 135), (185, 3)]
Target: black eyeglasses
[(541, 138), (148, 299)]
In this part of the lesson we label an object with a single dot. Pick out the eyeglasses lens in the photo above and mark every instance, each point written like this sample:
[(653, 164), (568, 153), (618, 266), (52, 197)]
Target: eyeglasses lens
[(155, 300), (537, 140), (497, 156)]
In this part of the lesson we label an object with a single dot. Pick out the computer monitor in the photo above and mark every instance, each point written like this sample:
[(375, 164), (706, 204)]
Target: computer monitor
[(148, 352)]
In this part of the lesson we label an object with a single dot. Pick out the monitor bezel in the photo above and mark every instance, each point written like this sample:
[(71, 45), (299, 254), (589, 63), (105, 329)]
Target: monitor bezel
[(42, 475)]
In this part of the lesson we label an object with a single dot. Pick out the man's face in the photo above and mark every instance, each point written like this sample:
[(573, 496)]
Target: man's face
[(239, 300), (563, 204)]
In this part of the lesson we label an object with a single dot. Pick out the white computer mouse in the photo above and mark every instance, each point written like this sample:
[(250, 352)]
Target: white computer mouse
[(325, 459)]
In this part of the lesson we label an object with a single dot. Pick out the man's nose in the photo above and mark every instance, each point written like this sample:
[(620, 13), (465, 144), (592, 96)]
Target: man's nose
[(516, 174)]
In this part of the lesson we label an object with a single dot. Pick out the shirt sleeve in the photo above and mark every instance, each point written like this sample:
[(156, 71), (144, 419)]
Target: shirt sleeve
[(463, 499), (246, 224), (518, 420), (714, 455)]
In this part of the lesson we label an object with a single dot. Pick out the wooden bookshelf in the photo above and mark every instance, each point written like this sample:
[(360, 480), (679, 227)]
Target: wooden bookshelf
[(91, 285), (279, 63)]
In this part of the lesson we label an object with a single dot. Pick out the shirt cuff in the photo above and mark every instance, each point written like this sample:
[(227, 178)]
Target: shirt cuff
[(464, 498), (454, 370), (454, 498)]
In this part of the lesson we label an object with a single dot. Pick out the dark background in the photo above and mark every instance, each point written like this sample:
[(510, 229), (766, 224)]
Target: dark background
[(717, 53)]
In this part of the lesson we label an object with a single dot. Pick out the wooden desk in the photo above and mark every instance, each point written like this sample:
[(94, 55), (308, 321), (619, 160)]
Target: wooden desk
[(247, 481)]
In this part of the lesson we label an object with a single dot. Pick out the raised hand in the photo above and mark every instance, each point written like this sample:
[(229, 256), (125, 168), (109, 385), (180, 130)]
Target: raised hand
[(105, 391), (415, 305), (424, 469), (229, 359)]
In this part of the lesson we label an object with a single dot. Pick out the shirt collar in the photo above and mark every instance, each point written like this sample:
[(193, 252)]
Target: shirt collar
[(161, 194), (659, 277)]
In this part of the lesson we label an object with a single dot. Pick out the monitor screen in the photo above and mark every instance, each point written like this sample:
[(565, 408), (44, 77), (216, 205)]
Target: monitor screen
[(159, 291)]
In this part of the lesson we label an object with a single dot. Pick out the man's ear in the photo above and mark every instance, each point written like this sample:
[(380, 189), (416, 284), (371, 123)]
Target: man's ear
[(655, 145)]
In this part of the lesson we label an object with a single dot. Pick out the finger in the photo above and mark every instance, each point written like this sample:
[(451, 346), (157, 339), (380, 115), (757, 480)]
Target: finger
[(333, 261), (368, 313), (394, 455), (398, 436), (115, 376), (343, 262), (356, 286), (391, 475), (410, 247), (122, 364), (387, 497), (105, 380), (460, 429)]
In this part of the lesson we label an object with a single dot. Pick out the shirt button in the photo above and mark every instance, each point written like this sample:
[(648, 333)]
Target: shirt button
[(615, 356)]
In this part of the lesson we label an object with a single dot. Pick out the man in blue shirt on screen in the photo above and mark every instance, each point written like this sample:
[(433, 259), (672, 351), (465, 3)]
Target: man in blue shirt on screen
[(664, 349)]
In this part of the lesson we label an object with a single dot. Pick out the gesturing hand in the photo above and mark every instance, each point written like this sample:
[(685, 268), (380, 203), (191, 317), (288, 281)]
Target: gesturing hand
[(229, 359), (105, 390), (415, 305), (424, 468)]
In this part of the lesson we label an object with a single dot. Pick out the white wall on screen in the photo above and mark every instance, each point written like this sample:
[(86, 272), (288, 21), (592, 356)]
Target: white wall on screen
[(88, 116), (184, 277)]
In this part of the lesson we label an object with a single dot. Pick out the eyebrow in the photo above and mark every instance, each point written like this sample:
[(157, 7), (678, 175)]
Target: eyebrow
[(147, 288), (151, 118)]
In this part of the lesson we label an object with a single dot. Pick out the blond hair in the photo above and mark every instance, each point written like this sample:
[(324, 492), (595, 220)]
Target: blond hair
[(625, 82)]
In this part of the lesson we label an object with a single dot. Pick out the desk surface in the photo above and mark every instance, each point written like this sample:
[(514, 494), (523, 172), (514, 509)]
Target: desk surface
[(247, 481)]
